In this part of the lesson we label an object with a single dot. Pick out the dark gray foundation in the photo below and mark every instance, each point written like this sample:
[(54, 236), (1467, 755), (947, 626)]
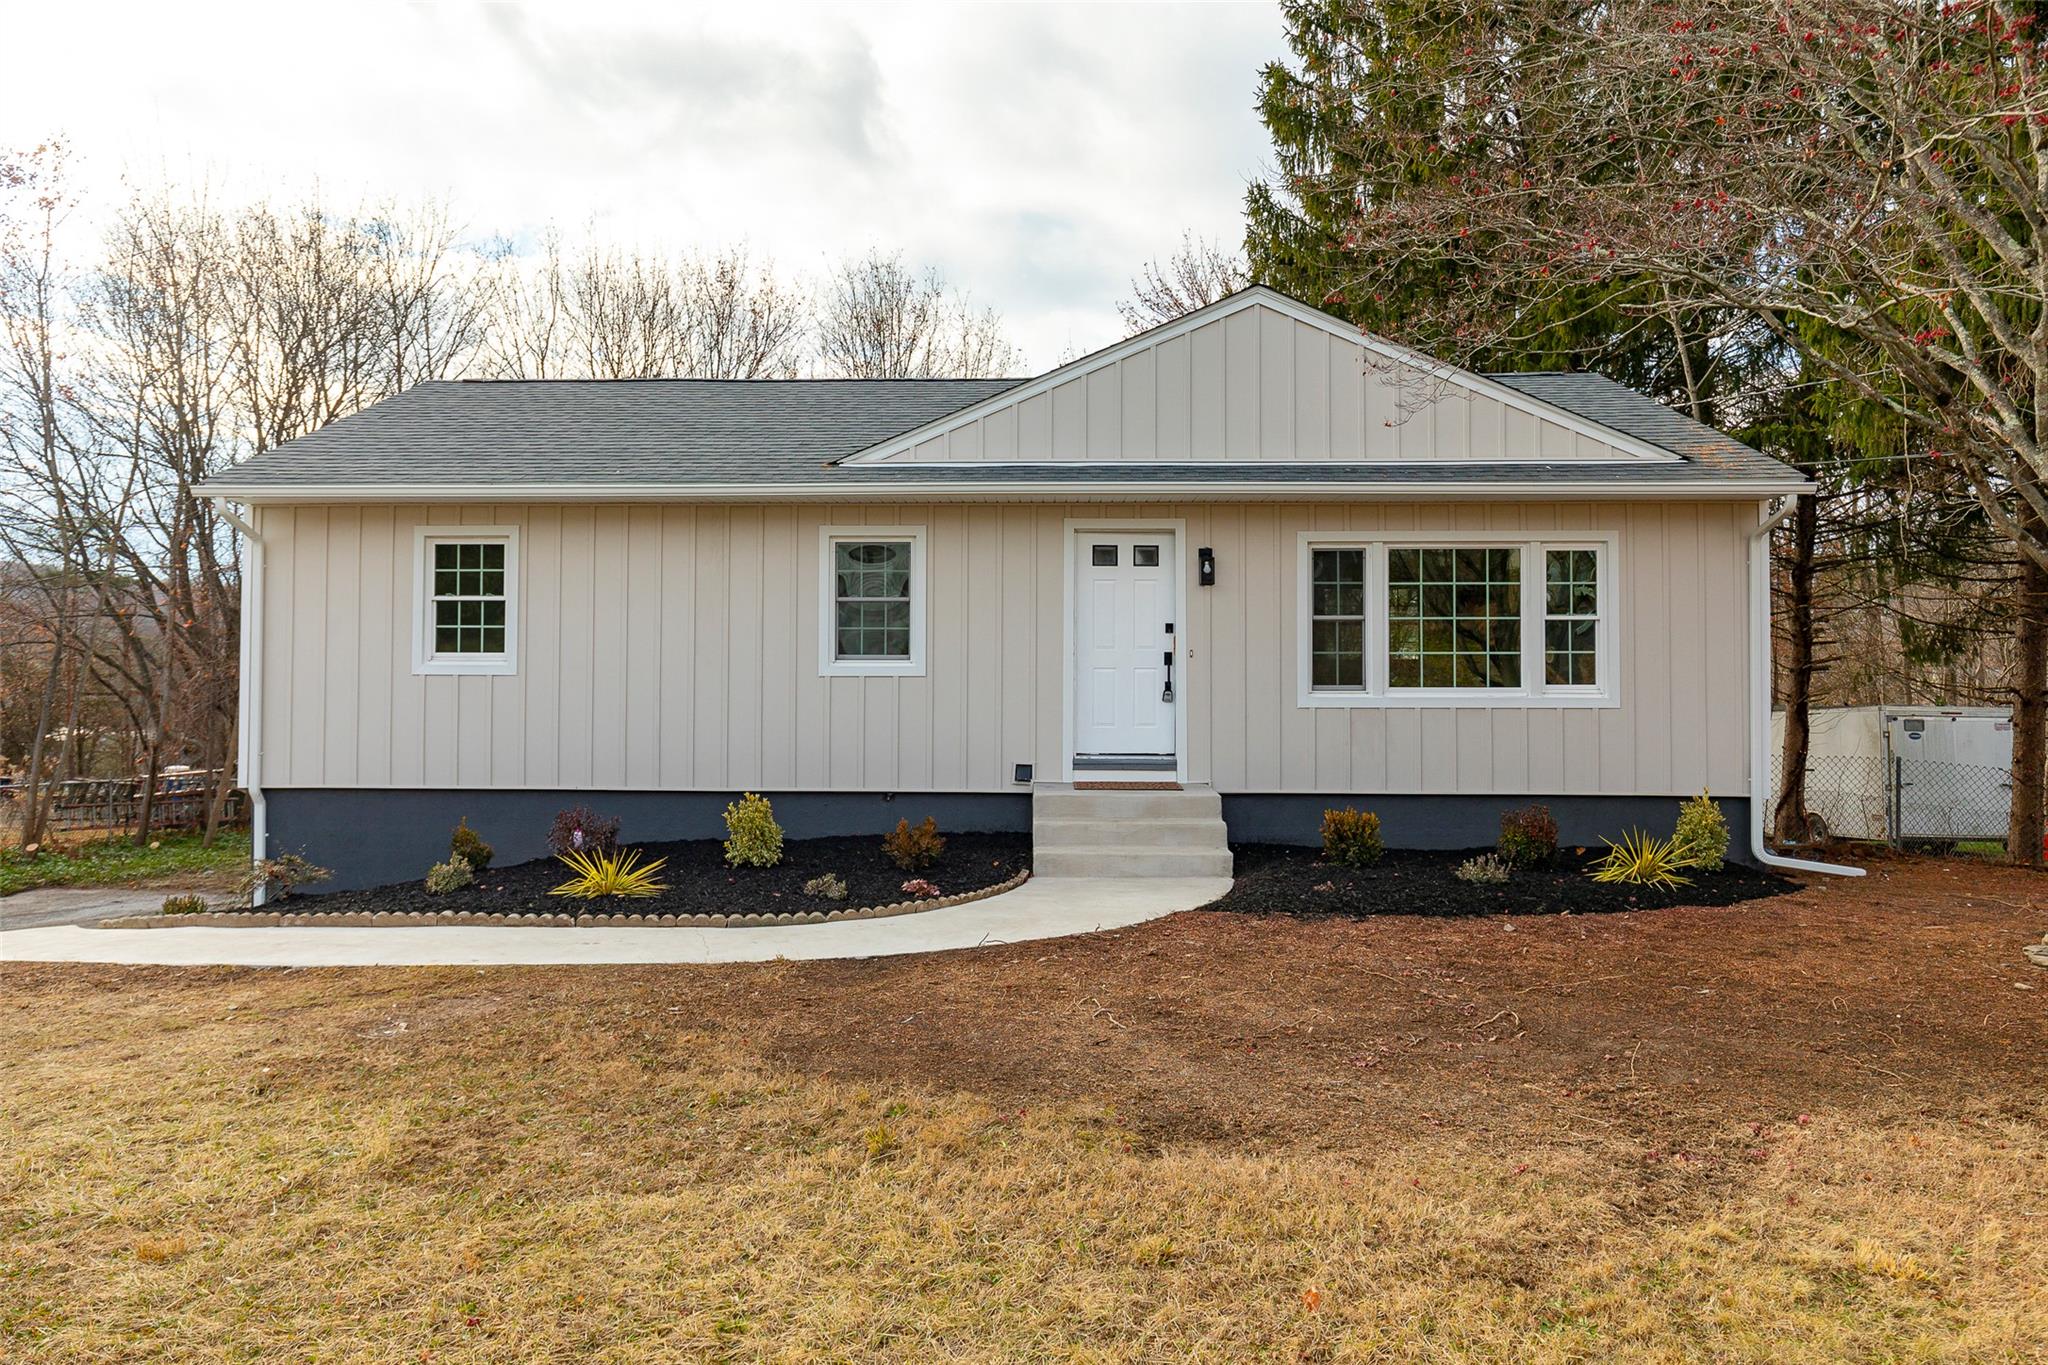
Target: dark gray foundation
[(1467, 821), (373, 837)]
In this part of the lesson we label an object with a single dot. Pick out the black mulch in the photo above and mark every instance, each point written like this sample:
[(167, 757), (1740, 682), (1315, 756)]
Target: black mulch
[(700, 883), (1274, 879)]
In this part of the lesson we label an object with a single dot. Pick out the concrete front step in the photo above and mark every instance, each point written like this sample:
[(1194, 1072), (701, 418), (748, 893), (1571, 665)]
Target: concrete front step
[(1205, 833), (1104, 860), (1064, 803), (1128, 833)]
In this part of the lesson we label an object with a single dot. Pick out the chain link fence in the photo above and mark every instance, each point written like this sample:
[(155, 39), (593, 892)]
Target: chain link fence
[(1900, 800)]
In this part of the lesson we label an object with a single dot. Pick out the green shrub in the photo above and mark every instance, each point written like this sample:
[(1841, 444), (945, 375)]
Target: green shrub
[(1702, 834), (829, 887), (469, 846), (278, 877), (1352, 837), (452, 875), (1528, 837), (1639, 860), (912, 847), (184, 905), (1488, 869), (754, 839)]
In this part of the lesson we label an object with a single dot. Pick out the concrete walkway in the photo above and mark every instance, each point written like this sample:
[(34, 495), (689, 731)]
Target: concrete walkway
[(1044, 907)]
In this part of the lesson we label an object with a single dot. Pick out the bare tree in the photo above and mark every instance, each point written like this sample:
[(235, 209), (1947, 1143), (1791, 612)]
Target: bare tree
[(881, 321), (611, 313), (1194, 275)]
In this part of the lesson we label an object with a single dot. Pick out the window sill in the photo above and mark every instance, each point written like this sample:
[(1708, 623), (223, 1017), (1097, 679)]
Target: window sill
[(459, 668), (836, 668), (1459, 701)]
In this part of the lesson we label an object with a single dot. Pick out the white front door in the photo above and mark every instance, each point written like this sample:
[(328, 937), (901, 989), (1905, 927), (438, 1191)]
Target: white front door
[(1125, 609)]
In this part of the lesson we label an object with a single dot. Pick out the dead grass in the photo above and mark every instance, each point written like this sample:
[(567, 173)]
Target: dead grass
[(410, 1166)]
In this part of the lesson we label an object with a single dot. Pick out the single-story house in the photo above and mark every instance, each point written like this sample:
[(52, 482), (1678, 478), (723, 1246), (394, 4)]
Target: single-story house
[(1251, 552)]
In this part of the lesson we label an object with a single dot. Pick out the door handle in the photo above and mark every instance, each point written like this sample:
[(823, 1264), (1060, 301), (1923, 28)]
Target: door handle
[(1166, 694)]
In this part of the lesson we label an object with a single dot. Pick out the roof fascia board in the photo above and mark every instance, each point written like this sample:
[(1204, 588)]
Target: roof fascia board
[(1249, 296), (1056, 491)]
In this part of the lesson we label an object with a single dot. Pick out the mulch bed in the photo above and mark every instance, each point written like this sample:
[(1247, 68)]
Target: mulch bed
[(1282, 879), (700, 883)]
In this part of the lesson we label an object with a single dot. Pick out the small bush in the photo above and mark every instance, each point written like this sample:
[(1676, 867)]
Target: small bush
[(469, 846), (581, 830), (912, 847), (829, 887), (184, 905), (1488, 869), (1528, 837), (1702, 833), (1639, 860), (278, 877), (919, 889), (1352, 837), (614, 872), (452, 875), (754, 839)]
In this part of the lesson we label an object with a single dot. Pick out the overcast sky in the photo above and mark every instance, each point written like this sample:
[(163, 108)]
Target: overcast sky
[(1037, 155)]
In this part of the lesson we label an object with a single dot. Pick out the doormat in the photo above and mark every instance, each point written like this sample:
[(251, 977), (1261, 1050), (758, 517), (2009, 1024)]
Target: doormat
[(1127, 786)]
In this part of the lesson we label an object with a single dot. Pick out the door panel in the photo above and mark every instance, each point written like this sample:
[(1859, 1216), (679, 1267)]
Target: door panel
[(1124, 599)]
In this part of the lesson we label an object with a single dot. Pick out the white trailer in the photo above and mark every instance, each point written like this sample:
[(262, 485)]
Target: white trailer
[(1902, 773)]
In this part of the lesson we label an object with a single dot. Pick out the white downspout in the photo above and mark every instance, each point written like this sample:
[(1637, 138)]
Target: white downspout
[(249, 754), (1760, 697)]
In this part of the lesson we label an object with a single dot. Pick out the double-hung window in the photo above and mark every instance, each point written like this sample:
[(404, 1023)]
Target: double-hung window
[(871, 617), (465, 610), (1455, 619)]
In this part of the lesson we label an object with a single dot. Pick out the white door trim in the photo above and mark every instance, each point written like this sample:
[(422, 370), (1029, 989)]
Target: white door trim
[(1176, 530)]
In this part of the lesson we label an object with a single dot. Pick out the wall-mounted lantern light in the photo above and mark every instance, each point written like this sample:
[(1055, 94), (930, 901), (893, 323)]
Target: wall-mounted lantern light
[(1205, 565)]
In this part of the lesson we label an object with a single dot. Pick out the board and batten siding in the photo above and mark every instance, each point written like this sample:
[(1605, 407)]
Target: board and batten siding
[(674, 647), (1258, 384)]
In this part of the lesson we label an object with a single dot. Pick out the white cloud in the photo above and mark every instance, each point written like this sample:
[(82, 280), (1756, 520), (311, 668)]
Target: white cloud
[(1037, 155)]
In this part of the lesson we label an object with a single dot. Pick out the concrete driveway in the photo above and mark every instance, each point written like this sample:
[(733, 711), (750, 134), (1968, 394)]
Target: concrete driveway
[(53, 905)]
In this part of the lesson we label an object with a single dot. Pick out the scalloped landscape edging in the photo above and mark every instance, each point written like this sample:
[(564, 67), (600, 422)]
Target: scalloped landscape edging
[(359, 919)]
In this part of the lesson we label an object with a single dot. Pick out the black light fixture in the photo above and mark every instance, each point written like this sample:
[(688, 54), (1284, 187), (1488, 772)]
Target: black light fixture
[(1024, 773), (1205, 566)]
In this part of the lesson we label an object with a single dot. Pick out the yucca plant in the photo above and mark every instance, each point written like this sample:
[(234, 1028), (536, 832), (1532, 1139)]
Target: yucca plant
[(1640, 860), (610, 872)]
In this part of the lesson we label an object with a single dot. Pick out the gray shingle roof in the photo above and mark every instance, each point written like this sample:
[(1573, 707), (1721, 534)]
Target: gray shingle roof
[(778, 434), (635, 431), (1599, 399)]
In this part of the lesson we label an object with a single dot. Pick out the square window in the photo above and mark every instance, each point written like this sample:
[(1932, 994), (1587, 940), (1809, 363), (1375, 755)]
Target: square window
[(1104, 557), (1469, 599), (1144, 556)]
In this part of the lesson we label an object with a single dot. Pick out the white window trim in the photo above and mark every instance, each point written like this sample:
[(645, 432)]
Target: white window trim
[(1533, 694), (424, 660), (830, 665)]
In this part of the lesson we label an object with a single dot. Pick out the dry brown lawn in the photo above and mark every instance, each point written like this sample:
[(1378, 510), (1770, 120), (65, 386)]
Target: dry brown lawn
[(1806, 1129)]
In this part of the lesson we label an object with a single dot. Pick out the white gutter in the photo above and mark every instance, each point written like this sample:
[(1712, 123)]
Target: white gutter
[(1760, 697), (248, 760), (844, 490)]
